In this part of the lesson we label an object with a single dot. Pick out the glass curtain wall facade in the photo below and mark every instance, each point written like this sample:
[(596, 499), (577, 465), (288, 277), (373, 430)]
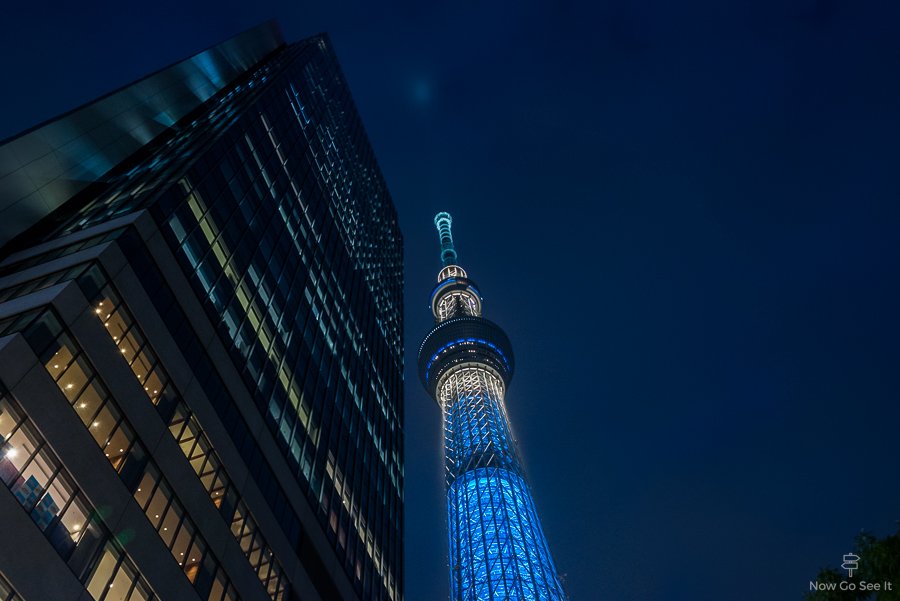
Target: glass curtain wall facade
[(219, 318), (497, 546)]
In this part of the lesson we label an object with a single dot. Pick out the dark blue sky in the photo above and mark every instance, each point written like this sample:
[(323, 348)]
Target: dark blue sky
[(685, 214)]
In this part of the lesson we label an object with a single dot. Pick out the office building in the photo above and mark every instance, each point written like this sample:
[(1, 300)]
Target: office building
[(200, 340)]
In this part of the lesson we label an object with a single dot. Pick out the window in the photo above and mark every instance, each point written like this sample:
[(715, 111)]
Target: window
[(206, 464), (128, 338), (17, 450), (176, 529), (115, 578), (7, 593), (78, 382), (113, 435), (39, 482)]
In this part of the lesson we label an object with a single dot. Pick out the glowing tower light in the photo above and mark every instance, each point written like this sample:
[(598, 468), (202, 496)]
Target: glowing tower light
[(497, 546)]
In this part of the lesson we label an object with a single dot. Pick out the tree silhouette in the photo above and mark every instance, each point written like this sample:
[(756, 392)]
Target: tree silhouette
[(879, 563)]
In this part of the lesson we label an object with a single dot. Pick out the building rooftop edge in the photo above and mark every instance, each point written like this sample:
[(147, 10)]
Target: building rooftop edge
[(46, 165), (270, 24)]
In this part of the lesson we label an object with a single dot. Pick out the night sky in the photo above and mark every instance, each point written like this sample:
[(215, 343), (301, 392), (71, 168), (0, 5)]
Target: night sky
[(685, 215)]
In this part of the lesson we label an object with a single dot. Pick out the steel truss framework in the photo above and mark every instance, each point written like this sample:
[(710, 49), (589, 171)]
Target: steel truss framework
[(497, 548), (456, 303)]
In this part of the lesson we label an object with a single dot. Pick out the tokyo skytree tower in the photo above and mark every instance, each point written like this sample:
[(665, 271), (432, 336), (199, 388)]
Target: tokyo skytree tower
[(497, 547)]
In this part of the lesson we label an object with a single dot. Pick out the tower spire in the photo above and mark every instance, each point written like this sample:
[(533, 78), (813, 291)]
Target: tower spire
[(443, 221), (455, 294), (498, 550)]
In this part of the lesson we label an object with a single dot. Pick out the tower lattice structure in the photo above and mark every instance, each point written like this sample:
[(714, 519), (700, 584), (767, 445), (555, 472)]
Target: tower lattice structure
[(497, 546)]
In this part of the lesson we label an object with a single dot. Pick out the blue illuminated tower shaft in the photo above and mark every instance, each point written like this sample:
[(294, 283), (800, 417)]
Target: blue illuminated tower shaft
[(497, 547)]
